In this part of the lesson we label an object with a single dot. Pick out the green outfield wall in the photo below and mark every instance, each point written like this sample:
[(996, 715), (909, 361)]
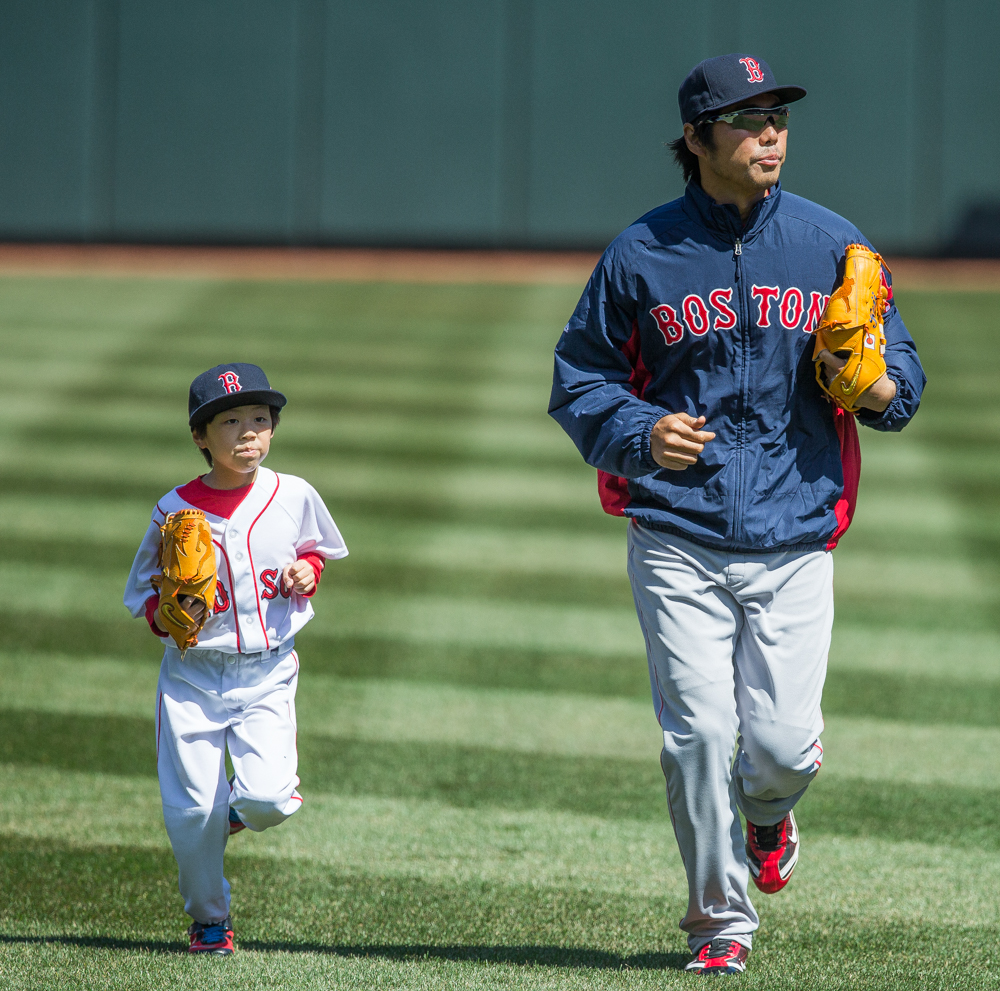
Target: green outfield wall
[(473, 122)]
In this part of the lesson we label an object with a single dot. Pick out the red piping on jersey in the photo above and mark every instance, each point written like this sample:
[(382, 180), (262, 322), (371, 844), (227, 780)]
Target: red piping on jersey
[(612, 489), (253, 570), (236, 612), (850, 459)]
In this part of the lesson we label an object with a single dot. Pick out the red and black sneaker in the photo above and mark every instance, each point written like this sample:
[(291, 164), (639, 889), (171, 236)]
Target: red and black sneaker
[(721, 956), (772, 852), (212, 937)]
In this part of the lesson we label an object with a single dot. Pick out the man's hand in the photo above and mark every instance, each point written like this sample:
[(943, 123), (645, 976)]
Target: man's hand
[(299, 577), (677, 439), (876, 397)]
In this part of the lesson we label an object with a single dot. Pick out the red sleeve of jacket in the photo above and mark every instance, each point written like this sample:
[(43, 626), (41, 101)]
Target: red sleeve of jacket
[(151, 603)]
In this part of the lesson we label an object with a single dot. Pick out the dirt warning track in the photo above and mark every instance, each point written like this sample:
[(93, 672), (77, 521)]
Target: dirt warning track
[(397, 265), (313, 264)]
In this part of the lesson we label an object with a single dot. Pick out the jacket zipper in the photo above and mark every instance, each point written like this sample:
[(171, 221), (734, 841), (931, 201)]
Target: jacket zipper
[(744, 332)]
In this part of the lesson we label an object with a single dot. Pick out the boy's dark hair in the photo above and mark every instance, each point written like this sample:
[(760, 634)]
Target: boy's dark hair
[(687, 159), (198, 430)]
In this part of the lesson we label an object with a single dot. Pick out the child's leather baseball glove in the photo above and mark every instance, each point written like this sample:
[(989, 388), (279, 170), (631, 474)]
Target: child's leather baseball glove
[(187, 562)]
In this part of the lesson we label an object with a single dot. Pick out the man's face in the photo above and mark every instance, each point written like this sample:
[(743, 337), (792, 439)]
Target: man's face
[(748, 161)]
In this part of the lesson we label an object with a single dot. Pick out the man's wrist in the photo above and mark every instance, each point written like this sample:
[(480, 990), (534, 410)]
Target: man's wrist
[(879, 394), (646, 459)]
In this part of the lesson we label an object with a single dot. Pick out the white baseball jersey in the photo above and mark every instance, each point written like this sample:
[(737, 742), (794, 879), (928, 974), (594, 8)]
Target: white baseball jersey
[(281, 518)]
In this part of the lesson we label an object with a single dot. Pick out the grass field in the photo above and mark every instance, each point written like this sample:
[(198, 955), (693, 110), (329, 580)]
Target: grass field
[(484, 806)]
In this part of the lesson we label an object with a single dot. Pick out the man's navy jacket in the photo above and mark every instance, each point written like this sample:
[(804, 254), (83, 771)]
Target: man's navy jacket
[(691, 311)]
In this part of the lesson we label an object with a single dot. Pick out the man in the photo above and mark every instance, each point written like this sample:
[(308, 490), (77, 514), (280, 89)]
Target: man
[(685, 376)]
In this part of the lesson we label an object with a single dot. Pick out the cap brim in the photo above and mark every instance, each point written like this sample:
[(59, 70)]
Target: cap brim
[(788, 94), (259, 397), (785, 94)]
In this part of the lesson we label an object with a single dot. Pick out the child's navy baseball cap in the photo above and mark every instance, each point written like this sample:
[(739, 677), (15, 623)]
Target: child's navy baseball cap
[(727, 79), (226, 386)]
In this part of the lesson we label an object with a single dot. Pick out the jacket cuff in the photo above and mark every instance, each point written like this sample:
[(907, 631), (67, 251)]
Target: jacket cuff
[(646, 462), (895, 415)]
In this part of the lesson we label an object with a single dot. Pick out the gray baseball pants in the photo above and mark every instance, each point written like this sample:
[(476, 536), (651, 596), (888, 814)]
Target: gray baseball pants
[(737, 646)]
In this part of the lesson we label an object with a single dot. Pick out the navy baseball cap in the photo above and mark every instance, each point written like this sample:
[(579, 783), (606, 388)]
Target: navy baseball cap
[(226, 386), (727, 79)]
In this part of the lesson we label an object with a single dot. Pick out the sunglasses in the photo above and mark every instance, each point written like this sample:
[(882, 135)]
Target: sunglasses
[(753, 118)]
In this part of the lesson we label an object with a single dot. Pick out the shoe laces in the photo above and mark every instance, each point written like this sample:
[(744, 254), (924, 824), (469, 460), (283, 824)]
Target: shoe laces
[(768, 837), (215, 932), (721, 946)]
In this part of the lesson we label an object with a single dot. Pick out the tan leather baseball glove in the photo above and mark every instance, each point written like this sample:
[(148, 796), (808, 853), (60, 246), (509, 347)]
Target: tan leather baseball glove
[(851, 328), (187, 562)]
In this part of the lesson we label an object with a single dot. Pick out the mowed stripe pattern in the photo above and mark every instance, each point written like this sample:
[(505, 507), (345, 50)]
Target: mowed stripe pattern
[(478, 754)]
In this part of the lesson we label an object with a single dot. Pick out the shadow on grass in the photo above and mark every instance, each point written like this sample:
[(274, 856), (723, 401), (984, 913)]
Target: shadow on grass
[(521, 956), (100, 943), (481, 777)]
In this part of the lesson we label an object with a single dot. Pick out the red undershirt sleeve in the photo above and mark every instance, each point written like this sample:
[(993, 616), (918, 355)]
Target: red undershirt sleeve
[(317, 563), (151, 603)]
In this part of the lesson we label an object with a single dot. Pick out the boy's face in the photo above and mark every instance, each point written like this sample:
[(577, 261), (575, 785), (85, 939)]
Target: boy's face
[(238, 438)]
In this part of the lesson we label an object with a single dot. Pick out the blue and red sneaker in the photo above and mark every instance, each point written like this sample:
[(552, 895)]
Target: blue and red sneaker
[(721, 956), (772, 853), (212, 937), (235, 822)]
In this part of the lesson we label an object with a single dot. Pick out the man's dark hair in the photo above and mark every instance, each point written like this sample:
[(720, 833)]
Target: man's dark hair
[(198, 430), (687, 159)]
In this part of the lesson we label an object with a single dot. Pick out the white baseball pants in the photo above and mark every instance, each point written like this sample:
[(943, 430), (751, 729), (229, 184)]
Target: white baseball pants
[(737, 646), (206, 703)]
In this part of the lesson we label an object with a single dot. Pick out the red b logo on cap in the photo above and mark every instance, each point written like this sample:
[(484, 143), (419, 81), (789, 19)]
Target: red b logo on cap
[(231, 381), (754, 75)]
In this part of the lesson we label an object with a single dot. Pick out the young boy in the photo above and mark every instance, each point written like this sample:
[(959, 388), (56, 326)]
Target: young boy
[(235, 688)]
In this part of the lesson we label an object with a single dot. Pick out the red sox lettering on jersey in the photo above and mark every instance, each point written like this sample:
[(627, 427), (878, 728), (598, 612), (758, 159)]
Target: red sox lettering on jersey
[(774, 306), (271, 585), (280, 518), (221, 598)]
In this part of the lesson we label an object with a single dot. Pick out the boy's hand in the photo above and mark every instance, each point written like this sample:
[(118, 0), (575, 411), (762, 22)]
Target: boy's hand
[(298, 577), (195, 608)]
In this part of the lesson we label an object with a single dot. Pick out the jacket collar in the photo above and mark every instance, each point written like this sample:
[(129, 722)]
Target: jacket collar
[(724, 219)]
